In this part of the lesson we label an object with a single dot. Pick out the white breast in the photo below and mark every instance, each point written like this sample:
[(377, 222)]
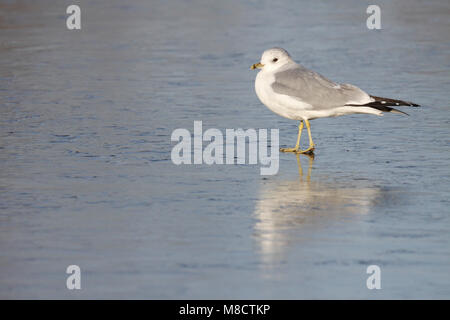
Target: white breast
[(282, 105)]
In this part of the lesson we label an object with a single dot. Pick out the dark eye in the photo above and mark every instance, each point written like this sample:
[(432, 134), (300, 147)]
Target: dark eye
[(275, 60)]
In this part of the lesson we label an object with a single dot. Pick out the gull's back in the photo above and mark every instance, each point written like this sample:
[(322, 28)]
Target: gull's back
[(314, 89)]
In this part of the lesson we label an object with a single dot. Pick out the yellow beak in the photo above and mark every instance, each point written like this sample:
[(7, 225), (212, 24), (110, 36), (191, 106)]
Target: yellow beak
[(258, 65)]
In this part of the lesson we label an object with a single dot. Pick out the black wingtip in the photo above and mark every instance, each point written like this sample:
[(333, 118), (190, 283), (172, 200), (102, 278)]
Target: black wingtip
[(392, 102), (398, 112)]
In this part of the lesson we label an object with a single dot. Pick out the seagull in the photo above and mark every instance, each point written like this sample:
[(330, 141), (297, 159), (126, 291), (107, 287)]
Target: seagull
[(295, 92)]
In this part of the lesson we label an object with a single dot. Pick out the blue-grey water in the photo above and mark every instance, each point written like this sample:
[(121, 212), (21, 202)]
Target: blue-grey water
[(86, 177)]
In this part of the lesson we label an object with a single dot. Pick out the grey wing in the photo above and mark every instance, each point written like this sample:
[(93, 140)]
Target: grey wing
[(316, 90)]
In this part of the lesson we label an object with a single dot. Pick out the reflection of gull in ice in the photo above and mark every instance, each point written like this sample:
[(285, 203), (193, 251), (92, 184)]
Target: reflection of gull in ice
[(285, 207)]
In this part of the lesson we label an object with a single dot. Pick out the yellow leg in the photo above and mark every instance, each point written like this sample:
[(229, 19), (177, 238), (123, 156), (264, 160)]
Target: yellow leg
[(296, 149), (312, 146)]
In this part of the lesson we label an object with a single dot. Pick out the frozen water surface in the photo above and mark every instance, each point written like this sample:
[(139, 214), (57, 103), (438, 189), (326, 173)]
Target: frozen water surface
[(86, 177)]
